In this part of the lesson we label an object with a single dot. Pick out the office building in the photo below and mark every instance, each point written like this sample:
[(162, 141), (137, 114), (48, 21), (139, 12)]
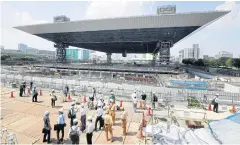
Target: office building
[(74, 53), (189, 53), (22, 47), (224, 54), (85, 54), (31, 50)]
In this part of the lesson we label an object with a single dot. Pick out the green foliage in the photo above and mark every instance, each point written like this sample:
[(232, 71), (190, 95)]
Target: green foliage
[(236, 62), (229, 62), (5, 56), (193, 102)]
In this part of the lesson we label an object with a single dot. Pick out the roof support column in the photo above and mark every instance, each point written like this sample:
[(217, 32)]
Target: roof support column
[(109, 58), (154, 59), (165, 51), (61, 52)]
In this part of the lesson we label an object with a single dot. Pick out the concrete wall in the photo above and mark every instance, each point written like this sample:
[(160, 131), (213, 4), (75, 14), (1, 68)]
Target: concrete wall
[(231, 88)]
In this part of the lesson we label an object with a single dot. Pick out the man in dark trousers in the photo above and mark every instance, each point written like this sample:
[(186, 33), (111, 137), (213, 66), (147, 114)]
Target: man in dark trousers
[(89, 130), (31, 85), (34, 94), (99, 117), (215, 103), (24, 87), (144, 98), (21, 91), (154, 100)]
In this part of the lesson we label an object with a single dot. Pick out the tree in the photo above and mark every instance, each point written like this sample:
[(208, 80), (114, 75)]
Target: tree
[(229, 62), (222, 61), (213, 63), (236, 62), (199, 62), (5, 56)]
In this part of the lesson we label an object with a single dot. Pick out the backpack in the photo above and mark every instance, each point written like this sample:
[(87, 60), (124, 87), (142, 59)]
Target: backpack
[(155, 99), (213, 102), (74, 135)]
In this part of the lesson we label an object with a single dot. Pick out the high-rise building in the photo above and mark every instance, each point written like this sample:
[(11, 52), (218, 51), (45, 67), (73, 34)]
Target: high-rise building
[(22, 47), (224, 54), (2, 47), (189, 53), (31, 50), (74, 53)]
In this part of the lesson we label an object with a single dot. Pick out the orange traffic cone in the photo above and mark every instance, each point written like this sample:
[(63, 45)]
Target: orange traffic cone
[(121, 104), (210, 107), (140, 133), (140, 105), (40, 92), (11, 96), (69, 97), (233, 109), (84, 99), (149, 112), (29, 91)]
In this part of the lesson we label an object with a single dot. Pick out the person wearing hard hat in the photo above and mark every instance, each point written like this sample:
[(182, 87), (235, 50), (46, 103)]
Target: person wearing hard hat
[(134, 101), (144, 98), (89, 130), (61, 124), (83, 113), (74, 132), (108, 125), (46, 127), (113, 110), (72, 113), (215, 103), (112, 96), (124, 122), (34, 94), (94, 92), (99, 117), (53, 98)]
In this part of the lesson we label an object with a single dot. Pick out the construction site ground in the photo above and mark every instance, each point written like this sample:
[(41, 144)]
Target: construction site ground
[(21, 116)]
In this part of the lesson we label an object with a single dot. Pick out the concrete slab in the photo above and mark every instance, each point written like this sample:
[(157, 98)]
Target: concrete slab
[(8, 119)]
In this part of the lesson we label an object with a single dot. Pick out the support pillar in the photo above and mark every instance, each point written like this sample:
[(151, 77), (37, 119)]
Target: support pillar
[(61, 52), (109, 58), (154, 59), (164, 51)]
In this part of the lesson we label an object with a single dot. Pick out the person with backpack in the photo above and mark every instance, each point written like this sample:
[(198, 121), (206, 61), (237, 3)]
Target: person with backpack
[(72, 113), (53, 99), (60, 125), (74, 132), (46, 128), (215, 103), (83, 113), (89, 130), (144, 98), (154, 100), (34, 94)]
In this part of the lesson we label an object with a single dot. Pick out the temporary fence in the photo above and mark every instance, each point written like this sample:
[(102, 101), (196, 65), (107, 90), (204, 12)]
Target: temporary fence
[(125, 90)]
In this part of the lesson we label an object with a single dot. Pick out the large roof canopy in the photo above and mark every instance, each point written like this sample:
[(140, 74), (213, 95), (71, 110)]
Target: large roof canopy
[(134, 34)]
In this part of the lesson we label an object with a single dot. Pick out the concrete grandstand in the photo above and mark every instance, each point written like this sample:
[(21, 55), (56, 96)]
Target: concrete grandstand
[(140, 34)]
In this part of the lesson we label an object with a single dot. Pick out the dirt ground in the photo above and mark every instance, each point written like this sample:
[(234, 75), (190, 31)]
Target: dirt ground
[(21, 116)]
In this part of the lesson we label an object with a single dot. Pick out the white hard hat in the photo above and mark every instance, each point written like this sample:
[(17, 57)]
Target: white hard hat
[(75, 120), (73, 103), (153, 92), (89, 118), (135, 91), (111, 100), (46, 113), (60, 110), (99, 92), (53, 90), (82, 105), (217, 95), (143, 91)]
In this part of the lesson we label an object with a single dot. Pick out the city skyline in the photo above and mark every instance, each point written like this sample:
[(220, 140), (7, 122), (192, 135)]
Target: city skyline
[(220, 36)]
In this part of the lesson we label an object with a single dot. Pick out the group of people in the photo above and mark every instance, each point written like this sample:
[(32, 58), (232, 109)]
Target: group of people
[(105, 120), (33, 90)]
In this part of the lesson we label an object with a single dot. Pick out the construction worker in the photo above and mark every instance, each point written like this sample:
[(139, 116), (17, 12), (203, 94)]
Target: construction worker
[(94, 92), (124, 122), (53, 98), (144, 99), (108, 125), (74, 132), (99, 117), (61, 124), (112, 97), (72, 113), (113, 111), (83, 113), (134, 101), (89, 130), (154, 100), (215, 103)]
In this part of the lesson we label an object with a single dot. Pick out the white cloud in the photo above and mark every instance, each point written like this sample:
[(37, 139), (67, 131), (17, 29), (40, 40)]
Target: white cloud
[(11, 37)]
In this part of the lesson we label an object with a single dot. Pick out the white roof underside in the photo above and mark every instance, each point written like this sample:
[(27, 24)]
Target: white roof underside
[(156, 21)]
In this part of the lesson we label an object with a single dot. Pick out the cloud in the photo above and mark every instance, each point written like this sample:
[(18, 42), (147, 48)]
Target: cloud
[(11, 37)]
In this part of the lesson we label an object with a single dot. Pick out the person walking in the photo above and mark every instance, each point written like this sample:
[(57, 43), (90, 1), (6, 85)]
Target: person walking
[(134, 101), (72, 113), (53, 98), (61, 124), (24, 87), (34, 94), (74, 132), (94, 92), (99, 117), (89, 130), (46, 128), (108, 125), (144, 98), (154, 100), (124, 122), (215, 103), (113, 111), (83, 113), (31, 85), (21, 91)]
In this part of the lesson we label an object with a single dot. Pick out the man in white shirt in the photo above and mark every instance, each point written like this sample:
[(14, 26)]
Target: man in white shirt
[(83, 113), (61, 124), (215, 105), (89, 130), (134, 101), (99, 117)]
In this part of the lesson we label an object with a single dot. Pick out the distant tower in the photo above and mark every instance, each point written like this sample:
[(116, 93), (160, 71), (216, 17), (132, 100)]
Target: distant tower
[(59, 19)]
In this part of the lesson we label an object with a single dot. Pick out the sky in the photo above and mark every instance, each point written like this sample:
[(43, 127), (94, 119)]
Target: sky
[(222, 35)]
